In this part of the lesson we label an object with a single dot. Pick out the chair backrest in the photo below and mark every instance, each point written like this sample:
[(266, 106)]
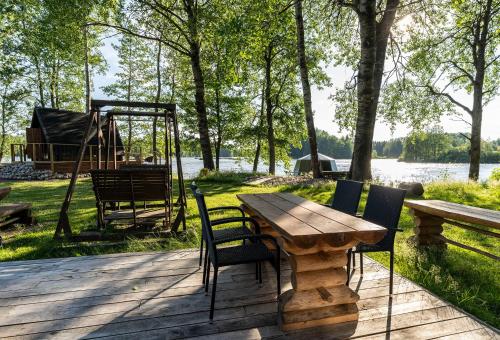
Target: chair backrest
[(347, 195), (206, 227), (193, 187), (126, 185), (383, 207)]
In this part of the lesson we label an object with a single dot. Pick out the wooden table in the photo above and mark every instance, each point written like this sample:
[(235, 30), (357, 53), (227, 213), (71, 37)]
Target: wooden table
[(429, 216), (316, 238)]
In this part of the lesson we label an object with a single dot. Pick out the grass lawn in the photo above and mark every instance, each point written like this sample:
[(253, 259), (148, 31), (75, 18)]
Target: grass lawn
[(466, 279)]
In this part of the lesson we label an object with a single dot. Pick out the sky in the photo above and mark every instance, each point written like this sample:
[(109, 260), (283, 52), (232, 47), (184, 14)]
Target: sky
[(324, 107)]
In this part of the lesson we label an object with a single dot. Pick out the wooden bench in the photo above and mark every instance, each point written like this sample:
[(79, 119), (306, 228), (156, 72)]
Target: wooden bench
[(430, 215), (11, 213), (133, 186)]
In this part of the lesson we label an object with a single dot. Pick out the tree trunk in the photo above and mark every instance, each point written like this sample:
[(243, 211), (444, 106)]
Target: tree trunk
[(4, 133), (218, 139), (373, 38), (365, 122), (306, 89), (261, 122), (269, 112), (475, 137), (199, 83), (129, 96), (56, 83), (40, 82), (53, 86), (157, 100), (477, 105)]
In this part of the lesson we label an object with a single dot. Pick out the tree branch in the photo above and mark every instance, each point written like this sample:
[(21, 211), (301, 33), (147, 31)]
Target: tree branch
[(450, 98), (464, 71), (170, 43)]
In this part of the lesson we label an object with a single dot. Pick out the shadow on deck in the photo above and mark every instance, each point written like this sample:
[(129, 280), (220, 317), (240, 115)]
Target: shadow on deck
[(159, 295)]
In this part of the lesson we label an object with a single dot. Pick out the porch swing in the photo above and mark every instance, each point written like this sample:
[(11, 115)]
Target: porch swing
[(147, 189)]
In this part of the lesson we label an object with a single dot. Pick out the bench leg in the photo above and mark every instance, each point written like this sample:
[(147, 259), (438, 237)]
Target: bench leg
[(427, 229)]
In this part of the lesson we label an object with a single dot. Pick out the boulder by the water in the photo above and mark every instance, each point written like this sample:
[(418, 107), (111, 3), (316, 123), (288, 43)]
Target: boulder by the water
[(414, 189)]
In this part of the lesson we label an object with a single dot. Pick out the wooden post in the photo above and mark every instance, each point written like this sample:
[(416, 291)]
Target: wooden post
[(24, 153), (12, 153), (90, 157), (114, 143), (98, 132), (34, 153), (108, 142), (51, 156)]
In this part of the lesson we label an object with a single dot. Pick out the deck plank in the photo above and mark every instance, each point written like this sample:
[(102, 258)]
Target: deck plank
[(159, 295)]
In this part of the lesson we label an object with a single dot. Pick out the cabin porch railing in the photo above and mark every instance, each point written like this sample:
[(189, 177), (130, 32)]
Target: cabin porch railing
[(45, 154)]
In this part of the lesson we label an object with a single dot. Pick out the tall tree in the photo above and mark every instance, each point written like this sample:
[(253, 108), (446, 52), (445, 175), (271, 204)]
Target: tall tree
[(375, 20), (184, 24), (135, 78), (456, 48), (306, 88)]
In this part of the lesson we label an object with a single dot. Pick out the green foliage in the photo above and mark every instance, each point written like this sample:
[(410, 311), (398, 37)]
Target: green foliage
[(495, 175), (224, 176), (328, 145), (437, 146)]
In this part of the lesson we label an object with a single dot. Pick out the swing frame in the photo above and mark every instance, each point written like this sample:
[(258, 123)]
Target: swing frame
[(166, 111)]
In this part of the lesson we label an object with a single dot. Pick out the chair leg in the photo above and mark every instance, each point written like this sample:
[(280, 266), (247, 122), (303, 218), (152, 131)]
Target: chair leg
[(260, 272), (201, 251), (205, 263), (391, 271), (361, 263), (278, 274), (353, 260), (207, 279), (349, 255), (256, 270), (214, 288)]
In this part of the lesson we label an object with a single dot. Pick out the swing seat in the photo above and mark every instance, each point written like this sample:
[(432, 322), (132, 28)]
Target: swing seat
[(138, 187)]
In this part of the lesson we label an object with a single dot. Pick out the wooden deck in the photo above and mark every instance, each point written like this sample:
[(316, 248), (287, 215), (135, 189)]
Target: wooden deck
[(159, 295)]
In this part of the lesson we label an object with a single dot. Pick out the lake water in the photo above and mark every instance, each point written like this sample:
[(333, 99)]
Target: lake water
[(385, 170)]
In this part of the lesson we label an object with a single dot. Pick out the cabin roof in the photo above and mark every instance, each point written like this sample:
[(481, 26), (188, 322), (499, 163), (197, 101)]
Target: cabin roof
[(66, 127)]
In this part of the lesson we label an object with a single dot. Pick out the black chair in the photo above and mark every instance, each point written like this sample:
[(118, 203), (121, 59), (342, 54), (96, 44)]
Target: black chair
[(347, 195), (221, 234), (254, 251), (383, 207)]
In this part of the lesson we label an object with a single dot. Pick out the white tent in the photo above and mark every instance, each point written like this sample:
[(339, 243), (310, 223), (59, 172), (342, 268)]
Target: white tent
[(303, 164)]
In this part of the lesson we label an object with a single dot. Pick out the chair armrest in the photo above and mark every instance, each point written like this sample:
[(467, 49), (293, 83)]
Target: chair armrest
[(238, 219), (249, 237), (227, 208)]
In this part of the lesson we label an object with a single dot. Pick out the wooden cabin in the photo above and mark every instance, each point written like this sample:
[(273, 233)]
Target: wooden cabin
[(54, 137)]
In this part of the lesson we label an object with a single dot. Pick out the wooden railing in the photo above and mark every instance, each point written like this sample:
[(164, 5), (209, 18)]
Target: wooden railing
[(51, 153), (474, 229)]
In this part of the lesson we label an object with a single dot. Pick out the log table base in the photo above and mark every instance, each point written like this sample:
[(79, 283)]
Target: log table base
[(319, 296)]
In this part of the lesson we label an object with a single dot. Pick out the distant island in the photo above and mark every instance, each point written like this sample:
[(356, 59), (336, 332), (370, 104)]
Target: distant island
[(432, 147)]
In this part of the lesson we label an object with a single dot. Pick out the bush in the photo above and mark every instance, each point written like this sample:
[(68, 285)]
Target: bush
[(495, 175), (224, 176)]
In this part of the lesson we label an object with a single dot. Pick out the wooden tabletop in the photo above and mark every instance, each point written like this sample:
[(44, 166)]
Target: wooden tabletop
[(298, 219), (455, 211)]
